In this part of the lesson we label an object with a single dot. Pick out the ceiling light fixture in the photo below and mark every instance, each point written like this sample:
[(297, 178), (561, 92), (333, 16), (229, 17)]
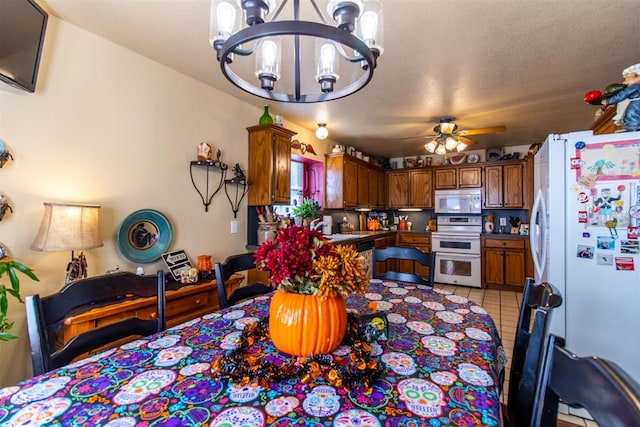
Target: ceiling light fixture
[(355, 42), (322, 132), (443, 144)]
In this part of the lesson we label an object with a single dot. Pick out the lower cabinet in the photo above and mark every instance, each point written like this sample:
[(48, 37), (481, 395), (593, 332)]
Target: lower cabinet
[(505, 263), (381, 243), (420, 241)]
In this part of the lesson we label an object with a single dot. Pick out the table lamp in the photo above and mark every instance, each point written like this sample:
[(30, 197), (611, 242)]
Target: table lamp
[(71, 227)]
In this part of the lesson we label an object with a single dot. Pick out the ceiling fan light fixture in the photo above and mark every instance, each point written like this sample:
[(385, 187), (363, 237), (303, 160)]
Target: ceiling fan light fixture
[(461, 146), (322, 132), (450, 143), (441, 150), (431, 146), (355, 42), (447, 127)]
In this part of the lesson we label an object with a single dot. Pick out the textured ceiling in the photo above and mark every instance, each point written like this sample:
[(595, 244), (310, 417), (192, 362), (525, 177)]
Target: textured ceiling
[(524, 64)]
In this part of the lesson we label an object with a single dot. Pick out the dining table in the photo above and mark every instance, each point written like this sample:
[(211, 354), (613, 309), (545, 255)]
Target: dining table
[(441, 363)]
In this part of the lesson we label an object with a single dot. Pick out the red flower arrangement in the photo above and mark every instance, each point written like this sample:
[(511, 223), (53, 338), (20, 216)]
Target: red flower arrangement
[(302, 261)]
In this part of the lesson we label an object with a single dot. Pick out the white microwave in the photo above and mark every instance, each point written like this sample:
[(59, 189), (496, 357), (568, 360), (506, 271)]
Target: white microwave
[(465, 201)]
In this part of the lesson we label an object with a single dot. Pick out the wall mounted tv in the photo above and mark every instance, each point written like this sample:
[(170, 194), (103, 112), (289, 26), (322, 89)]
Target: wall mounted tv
[(22, 27)]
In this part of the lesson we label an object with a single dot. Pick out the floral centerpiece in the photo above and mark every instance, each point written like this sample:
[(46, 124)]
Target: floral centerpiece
[(312, 276)]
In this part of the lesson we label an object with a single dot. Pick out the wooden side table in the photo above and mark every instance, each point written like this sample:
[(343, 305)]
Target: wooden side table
[(183, 304)]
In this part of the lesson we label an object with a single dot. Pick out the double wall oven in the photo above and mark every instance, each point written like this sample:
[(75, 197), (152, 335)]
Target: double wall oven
[(457, 247)]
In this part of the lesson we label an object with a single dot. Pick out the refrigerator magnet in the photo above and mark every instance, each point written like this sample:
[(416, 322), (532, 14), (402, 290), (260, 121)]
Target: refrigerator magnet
[(630, 247), (585, 252), (632, 232), (624, 263), (604, 259)]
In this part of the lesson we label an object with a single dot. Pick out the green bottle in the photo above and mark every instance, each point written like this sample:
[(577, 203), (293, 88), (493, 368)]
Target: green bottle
[(265, 119)]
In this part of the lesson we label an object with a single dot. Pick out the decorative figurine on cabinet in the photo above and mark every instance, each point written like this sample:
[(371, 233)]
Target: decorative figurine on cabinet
[(488, 222), (627, 100)]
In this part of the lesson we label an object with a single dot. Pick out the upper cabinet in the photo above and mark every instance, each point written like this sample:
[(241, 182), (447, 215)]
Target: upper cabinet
[(410, 189), (451, 178), (269, 165), (351, 183), (398, 189), (504, 186)]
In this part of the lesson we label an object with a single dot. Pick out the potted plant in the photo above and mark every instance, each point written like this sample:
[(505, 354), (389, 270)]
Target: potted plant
[(308, 210), (11, 268), (312, 277)]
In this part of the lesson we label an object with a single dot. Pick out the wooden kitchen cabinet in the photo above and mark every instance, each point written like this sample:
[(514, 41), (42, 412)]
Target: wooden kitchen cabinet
[(421, 189), (458, 177), (420, 241), (410, 189), (376, 189), (269, 165), (182, 304), (505, 264), (398, 189), (348, 182), (504, 186)]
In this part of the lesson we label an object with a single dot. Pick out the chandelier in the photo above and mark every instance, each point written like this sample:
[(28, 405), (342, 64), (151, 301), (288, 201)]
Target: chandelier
[(326, 62)]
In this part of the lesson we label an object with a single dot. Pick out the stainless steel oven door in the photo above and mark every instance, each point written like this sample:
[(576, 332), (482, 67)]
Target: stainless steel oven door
[(458, 243), (458, 269)]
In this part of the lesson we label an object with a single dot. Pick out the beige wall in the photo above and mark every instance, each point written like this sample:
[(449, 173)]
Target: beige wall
[(110, 127)]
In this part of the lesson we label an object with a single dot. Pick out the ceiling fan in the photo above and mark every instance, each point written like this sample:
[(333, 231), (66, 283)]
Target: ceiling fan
[(447, 137)]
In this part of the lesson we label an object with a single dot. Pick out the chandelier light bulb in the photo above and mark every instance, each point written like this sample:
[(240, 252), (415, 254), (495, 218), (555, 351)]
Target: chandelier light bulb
[(461, 146), (322, 132), (369, 26), (226, 18), (268, 62), (224, 21), (441, 150), (326, 65)]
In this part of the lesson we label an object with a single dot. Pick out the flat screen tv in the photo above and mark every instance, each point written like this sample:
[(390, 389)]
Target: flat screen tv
[(22, 27)]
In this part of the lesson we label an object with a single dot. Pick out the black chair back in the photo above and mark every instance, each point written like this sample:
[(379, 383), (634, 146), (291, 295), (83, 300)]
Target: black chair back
[(598, 385), (235, 264), (46, 314), (410, 254), (538, 299)]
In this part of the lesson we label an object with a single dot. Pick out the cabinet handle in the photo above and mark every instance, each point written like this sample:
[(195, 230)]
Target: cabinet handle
[(198, 301), (154, 315)]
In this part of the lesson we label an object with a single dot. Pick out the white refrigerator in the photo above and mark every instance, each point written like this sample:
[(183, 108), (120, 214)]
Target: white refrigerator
[(584, 240)]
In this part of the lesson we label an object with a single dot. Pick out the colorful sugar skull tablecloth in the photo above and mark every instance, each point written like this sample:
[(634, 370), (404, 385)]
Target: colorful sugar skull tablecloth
[(441, 367)]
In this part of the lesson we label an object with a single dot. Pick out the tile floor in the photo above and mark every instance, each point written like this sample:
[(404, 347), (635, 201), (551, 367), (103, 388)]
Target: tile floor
[(503, 306)]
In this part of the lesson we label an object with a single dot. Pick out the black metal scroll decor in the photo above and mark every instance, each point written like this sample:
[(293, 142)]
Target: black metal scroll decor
[(213, 186), (241, 185)]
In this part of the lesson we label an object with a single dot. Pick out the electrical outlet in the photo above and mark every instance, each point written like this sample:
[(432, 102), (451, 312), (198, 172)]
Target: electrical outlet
[(234, 227), (503, 222)]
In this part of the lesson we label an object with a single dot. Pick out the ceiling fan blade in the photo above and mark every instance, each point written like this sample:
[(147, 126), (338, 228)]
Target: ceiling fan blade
[(418, 137), (466, 140), (481, 131)]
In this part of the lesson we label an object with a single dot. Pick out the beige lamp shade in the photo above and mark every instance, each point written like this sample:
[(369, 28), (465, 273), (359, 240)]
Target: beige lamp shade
[(68, 227)]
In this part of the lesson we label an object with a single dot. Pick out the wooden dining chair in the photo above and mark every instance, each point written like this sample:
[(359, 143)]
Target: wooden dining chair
[(410, 254), (598, 385), (538, 301), (234, 264), (45, 316)]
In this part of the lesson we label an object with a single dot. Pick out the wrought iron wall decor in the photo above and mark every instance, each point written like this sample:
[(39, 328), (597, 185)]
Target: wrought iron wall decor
[(241, 185), (213, 185)]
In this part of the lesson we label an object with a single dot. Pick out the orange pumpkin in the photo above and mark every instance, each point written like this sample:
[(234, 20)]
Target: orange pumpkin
[(302, 325)]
